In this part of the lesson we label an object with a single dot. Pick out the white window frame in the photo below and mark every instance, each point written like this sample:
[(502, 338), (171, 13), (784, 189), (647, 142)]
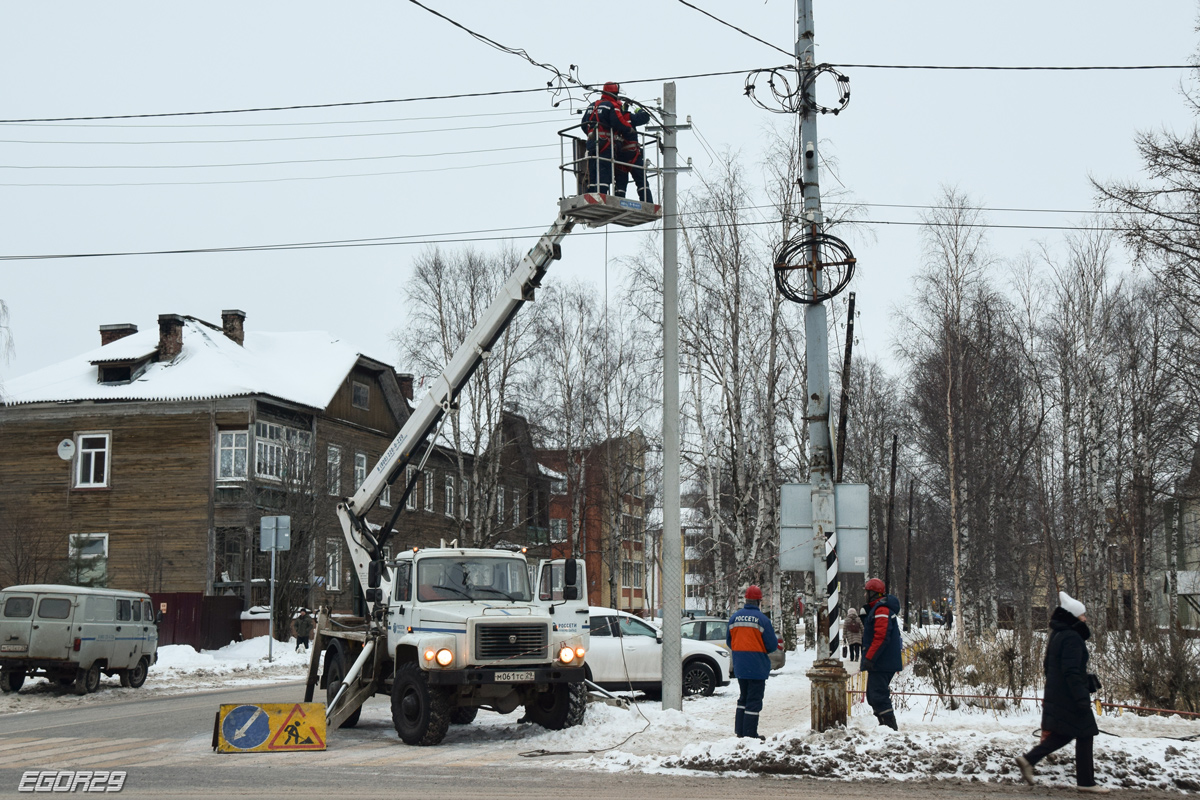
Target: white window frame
[(73, 546), (272, 441), (333, 469), (427, 488), (516, 508), (449, 499), (87, 457), (385, 497), (558, 531), (360, 469), (366, 388), (411, 502), (466, 498), (558, 486), (227, 443), (500, 505), (333, 565)]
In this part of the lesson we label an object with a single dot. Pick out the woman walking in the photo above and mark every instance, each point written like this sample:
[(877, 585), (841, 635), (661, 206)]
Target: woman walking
[(1066, 705)]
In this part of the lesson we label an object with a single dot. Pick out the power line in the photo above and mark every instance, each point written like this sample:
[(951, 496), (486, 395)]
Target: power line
[(288, 124), (736, 28), (1013, 68)]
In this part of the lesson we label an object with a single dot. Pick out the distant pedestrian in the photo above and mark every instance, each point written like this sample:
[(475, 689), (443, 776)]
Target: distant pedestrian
[(304, 629), (853, 631), (1066, 705), (750, 636), (881, 649)]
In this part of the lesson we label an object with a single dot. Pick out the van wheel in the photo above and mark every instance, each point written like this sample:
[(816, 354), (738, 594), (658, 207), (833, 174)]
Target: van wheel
[(88, 680), (136, 675), (561, 707), (699, 678), (420, 713), (335, 670), (11, 680), (463, 715)]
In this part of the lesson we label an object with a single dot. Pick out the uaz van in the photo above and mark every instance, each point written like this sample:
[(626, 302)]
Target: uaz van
[(72, 634)]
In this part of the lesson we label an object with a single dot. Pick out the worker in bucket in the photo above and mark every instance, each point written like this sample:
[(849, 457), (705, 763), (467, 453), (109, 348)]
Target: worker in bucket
[(607, 130), (881, 646), (750, 636), (630, 158)]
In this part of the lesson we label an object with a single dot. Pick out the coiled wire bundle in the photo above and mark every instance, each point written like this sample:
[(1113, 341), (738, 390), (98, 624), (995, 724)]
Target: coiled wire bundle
[(813, 267)]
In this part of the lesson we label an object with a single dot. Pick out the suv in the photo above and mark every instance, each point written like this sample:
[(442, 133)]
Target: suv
[(626, 653), (713, 629)]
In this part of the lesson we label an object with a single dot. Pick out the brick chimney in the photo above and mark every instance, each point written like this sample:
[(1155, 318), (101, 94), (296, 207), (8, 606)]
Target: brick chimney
[(405, 379), (111, 333), (233, 323), (170, 336)]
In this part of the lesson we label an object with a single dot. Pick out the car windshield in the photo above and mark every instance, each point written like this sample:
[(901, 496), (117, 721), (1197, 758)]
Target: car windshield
[(472, 578)]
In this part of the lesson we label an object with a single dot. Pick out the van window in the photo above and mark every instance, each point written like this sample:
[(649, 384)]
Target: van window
[(137, 611), (54, 608), (18, 607), (123, 613), (404, 581), (101, 609), (148, 611)]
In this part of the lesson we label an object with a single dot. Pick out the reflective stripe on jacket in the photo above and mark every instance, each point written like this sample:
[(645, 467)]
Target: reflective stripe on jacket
[(751, 636)]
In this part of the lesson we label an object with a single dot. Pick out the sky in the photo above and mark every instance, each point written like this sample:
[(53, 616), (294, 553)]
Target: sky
[(1027, 140)]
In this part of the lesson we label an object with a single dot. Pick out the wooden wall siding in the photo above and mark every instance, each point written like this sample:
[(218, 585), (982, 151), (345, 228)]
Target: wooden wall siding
[(377, 416), (158, 497)]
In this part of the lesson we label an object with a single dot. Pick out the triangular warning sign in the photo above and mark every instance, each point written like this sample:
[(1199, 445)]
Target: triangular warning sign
[(296, 733)]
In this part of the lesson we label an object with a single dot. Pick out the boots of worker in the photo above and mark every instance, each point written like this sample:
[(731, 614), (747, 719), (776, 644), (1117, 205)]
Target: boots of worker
[(888, 718), (1026, 769)]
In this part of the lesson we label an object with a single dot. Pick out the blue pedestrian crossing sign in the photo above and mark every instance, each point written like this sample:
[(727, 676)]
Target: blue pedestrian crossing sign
[(246, 727)]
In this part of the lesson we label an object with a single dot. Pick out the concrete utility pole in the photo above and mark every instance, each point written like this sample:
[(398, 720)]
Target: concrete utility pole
[(828, 676), (672, 544)]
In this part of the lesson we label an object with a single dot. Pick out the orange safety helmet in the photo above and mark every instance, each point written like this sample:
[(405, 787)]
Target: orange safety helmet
[(612, 88), (875, 585), (753, 592)]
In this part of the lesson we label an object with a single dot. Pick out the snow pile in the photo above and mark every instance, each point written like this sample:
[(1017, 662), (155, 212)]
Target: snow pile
[(250, 655)]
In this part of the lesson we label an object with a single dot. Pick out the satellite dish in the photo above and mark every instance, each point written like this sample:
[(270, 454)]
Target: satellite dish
[(66, 449)]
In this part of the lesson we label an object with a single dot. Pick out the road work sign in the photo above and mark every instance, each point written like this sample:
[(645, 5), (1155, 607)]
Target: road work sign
[(269, 727)]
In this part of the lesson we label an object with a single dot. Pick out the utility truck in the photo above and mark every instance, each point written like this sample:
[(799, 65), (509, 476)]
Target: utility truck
[(450, 630)]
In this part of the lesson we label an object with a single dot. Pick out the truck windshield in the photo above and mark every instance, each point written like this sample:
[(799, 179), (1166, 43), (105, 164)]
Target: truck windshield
[(472, 578)]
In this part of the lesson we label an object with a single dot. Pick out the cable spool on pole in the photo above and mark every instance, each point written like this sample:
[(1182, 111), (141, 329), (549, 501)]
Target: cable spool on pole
[(814, 259)]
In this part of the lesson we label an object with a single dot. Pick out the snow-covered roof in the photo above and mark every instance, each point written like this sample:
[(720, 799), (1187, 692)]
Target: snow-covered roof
[(553, 475), (305, 368)]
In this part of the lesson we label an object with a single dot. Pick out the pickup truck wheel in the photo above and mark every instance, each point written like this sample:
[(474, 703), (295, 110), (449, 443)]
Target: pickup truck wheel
[(11, 680), (335, 670), (135, 676), (420, 713), (699, 678), (88, 680), (561, 707), (463, 715)]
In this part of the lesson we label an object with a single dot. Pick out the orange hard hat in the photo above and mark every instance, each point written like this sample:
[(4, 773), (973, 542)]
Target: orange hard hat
[(612, 88), (875, 585), (753, 592)]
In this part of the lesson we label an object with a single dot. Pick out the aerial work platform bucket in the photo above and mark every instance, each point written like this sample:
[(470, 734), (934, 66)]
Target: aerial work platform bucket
[(596, 208)]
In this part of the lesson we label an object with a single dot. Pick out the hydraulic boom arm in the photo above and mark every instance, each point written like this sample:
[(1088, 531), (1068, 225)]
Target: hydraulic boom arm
[(366, 546)]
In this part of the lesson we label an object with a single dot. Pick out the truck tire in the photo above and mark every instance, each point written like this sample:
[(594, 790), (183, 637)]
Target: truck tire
[(420, 713), (88, 680), (11, 680), (463, 715), (335, 670), (699, 678), (561, 707), (135, 676)]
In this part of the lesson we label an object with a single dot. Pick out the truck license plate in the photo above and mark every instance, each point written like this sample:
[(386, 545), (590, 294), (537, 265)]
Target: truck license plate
[(14, 648), (514, 677)]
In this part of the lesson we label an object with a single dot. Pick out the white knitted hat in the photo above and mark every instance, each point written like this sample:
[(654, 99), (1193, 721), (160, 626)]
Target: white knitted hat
[(1071, 605)]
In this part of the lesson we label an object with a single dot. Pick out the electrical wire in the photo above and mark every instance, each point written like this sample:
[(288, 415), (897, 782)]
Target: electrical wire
[(736, 28), (102, 125), (1015, 68)]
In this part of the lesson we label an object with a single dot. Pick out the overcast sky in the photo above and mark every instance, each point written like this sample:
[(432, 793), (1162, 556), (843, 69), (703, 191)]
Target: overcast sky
[(1008, 139)]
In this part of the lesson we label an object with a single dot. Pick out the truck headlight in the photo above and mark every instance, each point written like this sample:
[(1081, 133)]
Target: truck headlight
[(579, 653), (444, 657), (566, 655)]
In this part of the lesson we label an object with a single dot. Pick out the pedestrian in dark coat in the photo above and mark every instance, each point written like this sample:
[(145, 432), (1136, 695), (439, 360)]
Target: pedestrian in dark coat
[(304, 629), (750, 636), (1066, 704), (881, 645)]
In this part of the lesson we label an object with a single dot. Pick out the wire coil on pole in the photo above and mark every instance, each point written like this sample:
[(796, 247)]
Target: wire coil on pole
[(790, 85), (813, 268)]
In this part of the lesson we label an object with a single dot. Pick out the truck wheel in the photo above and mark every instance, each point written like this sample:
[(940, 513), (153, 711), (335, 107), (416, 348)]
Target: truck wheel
[(135, 676), (699, 678), (420, 713), (335, 670), (88, 680), (11, 680), (561, 707), (463, 715)]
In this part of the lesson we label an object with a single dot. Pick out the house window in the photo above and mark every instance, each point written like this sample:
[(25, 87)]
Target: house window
[(87, 559), (360, 394), (281, 451), (631, 574), (385, 499), (449, 496), (333, 470), (639, 482), (333, 565), (558, 487), (427, 486), (91, 460), (500, 505), (632, 529), (466, 495), (360, 469), (409, 474), (516, 507), (233, 452), (558, 530)]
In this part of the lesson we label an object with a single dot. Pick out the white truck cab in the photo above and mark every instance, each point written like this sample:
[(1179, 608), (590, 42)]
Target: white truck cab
[(72, 635)]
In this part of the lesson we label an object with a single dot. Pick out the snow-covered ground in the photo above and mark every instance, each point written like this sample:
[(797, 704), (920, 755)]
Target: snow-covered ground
[(180, 669)]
